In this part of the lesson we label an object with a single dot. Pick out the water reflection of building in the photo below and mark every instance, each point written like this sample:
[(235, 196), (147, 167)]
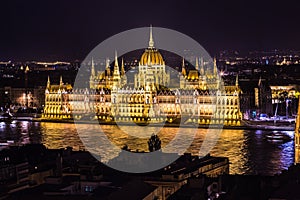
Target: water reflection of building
[(201, 96)]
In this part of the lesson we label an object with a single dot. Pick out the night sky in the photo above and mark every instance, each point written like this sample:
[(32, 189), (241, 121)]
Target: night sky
[(69, 29)]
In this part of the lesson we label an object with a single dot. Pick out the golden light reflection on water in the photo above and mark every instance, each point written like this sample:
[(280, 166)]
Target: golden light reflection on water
[(231, 145), (248, 151), (60, 135)]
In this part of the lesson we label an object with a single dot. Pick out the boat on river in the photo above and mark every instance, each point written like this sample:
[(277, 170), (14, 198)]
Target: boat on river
[(278, 137), (6, 117)]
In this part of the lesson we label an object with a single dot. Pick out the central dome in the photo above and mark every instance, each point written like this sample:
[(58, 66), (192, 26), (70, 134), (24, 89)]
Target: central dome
[(151, 56)]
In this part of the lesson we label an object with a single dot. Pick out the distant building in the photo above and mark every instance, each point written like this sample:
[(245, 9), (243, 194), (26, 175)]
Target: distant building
[(263, 98), (22, 97), (285, 98)]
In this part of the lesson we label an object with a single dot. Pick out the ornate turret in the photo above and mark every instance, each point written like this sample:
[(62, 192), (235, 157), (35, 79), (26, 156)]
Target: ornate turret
[(123, 74), (61, 83), (107, 67), (215, 72), (116, 66), (48, 83), (116, 74), (201, 67), (122, 68), (183, 70), (93, 74), (197, 64)]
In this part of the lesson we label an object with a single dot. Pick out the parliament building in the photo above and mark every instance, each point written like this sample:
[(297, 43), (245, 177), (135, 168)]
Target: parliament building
[(200, 98)]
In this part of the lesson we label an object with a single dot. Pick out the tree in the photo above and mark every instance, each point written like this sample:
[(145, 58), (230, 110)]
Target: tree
[(154, 143)]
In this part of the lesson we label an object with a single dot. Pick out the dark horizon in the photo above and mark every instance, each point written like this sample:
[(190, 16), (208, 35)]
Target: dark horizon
[(54, 30)]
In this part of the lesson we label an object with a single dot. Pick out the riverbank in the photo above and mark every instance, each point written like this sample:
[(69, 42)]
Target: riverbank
[(244, 126)]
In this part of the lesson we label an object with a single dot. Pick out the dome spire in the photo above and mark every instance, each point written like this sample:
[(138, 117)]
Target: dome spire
[(151, 41)]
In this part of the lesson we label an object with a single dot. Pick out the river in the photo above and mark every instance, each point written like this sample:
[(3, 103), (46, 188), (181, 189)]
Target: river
[(249, 151)]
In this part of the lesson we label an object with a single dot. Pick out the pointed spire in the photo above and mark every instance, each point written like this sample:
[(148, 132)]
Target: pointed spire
[(183, 71), (237, 80), (93, 69), (116, 67), (215, 67), (116, 59), (122, 68), (201, 66), (151, 41), (61, 82), (197, 64), (48, 82)]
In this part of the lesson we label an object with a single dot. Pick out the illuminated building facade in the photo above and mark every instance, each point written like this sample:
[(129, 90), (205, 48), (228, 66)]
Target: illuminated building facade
[(200, 97), (297, 137)]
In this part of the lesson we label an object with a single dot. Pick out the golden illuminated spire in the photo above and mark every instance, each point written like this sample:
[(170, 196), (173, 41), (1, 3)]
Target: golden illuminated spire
[(122, 68), (183, 71), (197, 64), (237, 80), (61, 82), (151, 41), (93, 69), (116, 59), (48, 82), (116, 67)]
